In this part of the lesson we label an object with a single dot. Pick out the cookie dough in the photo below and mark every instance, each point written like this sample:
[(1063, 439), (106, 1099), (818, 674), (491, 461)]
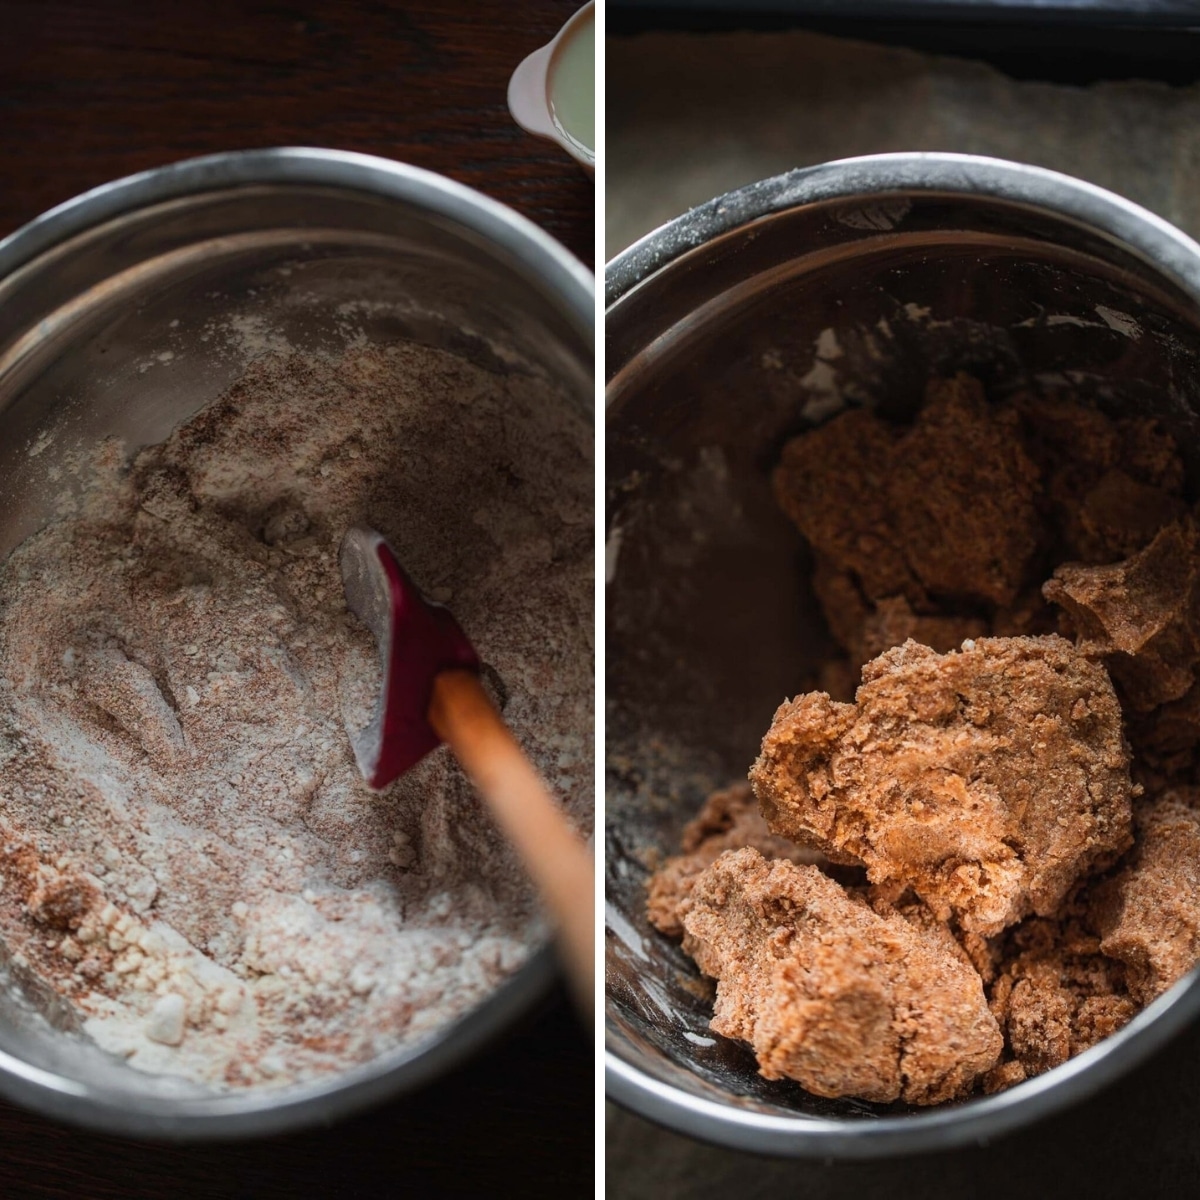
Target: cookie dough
[(1109, 483), (1054, 994), (943, 509), (893, 623), (963, 490), (1148, 914), (1141, 615), (982, 835), (833, 994), (986, 780), (832, 483), (729, 820)]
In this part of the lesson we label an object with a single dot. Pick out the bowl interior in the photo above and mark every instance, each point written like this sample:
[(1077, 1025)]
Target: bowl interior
[(716, 361), (130, 327)]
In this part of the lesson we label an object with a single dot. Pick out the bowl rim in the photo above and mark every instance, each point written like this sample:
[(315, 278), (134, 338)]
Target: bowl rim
[(1163, 248), (1159, 243), (561, 271), (260, 1112)]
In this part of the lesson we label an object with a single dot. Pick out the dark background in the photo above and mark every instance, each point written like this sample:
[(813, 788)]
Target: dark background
[(90, 92), (1060, 41)]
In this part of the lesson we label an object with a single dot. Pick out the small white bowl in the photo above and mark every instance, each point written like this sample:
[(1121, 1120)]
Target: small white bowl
[(529, 92)]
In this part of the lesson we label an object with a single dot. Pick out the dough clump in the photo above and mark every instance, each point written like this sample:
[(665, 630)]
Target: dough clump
[(953, 873), (987, 780), (729, 820), (845, 1000), (1148, 914)]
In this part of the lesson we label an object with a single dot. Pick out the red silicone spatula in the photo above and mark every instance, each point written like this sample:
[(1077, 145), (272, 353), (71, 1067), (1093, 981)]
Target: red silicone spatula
[(432, 694)]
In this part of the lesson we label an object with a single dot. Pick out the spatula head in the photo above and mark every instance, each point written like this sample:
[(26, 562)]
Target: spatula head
[(417, 640)]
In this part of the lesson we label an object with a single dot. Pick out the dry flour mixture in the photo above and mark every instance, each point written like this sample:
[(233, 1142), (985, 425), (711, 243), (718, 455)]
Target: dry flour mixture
[(189, 857)]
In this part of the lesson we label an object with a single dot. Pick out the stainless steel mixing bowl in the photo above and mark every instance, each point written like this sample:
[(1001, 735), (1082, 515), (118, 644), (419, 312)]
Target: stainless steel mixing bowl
[(729, 330), (115, 313)]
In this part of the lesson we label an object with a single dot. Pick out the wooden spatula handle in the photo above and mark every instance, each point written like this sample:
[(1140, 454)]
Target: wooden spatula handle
[(558, 860)]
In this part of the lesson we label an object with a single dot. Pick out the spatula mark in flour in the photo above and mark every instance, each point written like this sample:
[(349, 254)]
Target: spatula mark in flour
[(128, 692), (494, 686), (285, 522), (164, 494)]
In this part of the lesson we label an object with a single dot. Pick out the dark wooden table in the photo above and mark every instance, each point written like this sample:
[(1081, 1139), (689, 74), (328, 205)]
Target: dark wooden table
[(93, 91)]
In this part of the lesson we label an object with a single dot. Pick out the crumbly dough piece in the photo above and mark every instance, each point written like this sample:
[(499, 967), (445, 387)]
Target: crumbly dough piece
[(945, 507), (1167, 740), (1149, 453), (1142, 615), (865, 630), (830, 993), (1055, 994), (1073, 443), (893, 623), (963, 492), (729, 820), (1110, 484), (987, 780), (1118, 517), (832, 482), (843, 605), (1148, 914)]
